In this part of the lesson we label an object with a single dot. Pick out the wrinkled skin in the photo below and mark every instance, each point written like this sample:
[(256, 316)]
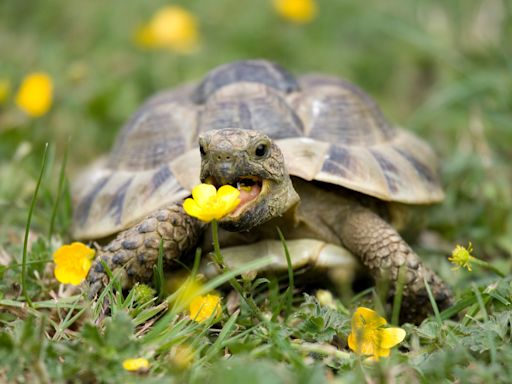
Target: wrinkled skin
[(229, 154)]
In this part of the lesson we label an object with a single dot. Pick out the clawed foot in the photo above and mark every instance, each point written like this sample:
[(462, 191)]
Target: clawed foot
[(416, 304), (97, 278)]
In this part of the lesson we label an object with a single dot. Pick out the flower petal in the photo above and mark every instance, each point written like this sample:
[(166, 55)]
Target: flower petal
[(203, 194), (296, 11), (381, 352), (201, 308), (136, 364), (35, 94), (361, 343), (367, 318), (190, 206), (67, 276), (389, 337), (72, 263), (352, 343), (228, 198)]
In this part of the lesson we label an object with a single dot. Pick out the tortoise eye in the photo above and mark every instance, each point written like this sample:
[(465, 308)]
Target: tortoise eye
[(261, 150), (201, 149)]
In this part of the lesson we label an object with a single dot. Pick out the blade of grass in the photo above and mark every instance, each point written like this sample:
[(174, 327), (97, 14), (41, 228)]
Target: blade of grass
[(62, 177), (381, 293), (227, 329), (112, 280), (65, 302), (219, 259), (158, 271), (197, 261), (167, 329), (399, 290), (163, 323), (27, 229), (457, 307), (359, 296), (483, 309), (67, 322), (224, 278), (291, 284), (472, 312), (432, 301), (149, 313)]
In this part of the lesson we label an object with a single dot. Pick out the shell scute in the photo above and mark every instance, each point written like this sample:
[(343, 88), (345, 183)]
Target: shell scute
[(327, 128), (250, 106)]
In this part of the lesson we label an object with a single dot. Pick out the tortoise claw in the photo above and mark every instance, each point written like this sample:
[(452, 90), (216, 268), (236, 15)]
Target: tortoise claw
[(97, 279)]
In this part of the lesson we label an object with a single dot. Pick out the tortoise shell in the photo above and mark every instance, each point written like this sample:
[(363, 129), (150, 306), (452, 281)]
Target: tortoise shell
[(328, 129)]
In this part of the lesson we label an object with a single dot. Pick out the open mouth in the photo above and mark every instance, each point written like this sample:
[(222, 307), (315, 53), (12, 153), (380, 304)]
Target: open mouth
[(250, 188)]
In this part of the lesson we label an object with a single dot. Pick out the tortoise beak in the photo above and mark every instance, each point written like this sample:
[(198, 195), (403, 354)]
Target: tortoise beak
[(225, 173)]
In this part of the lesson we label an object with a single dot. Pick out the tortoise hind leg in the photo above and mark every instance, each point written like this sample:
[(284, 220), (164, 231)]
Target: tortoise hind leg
[(134, 252), (383, 251)]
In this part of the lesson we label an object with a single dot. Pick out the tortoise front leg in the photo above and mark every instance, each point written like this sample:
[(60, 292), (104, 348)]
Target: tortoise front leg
[(134, 252), (383, 251)]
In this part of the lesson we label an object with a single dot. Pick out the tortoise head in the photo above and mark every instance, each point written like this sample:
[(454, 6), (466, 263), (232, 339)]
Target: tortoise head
[(251, 162)]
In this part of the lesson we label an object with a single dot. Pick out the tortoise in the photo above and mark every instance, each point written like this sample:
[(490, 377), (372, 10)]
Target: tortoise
[(311, 154)]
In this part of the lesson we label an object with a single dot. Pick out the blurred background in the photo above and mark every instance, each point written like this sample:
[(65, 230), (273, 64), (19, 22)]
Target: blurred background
[(442, 69)]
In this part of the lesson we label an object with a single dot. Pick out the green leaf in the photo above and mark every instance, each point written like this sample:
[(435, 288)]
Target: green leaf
[(119, 331)]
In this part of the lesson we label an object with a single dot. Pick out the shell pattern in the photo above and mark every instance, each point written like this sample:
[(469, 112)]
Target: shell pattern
[(328, 129)]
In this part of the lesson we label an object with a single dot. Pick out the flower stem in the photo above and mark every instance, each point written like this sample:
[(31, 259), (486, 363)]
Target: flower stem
[(27, 229), (485, 264), (399, 291), (219, 259)]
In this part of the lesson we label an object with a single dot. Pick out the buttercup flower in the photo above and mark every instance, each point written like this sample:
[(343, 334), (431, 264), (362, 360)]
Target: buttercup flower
[(184, 290), (202, 308), (296, 11), (461, 257), (5, 88), (369, 335), (171, 27), (35, 94), (72, 263), (207, 203), (182, 356), (138, 364)]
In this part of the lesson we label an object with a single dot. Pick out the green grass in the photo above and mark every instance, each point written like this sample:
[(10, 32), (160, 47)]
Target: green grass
[(441, 69)]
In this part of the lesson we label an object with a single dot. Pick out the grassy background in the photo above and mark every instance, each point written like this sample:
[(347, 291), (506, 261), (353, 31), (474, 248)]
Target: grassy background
[(443, 69)]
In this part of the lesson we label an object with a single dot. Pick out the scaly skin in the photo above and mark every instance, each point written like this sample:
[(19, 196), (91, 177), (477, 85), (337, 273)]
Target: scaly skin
[(134, 252), (383, 251)]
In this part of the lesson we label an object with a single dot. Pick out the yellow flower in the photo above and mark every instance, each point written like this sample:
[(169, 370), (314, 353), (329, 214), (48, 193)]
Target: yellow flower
[(369, 335), (5, 88), (138, 364), (208, 203), (296, 11), (72, 263), (462, 257), (185, 290), (325, 298), (182, 356), (35, 94), (171, 27), (202, 308)]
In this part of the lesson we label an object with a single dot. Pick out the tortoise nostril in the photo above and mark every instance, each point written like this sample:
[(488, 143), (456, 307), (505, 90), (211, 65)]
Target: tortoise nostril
[(223, 157)]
